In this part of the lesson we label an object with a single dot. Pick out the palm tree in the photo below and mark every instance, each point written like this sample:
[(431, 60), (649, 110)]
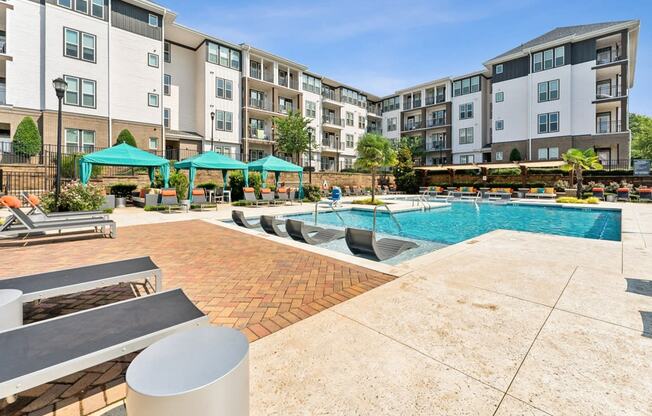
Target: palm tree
[(578, 161), (374, 151)]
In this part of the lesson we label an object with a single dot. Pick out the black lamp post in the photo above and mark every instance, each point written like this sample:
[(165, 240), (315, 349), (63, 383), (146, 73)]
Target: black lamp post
[(212, 129), (310, 133), (60, 87)]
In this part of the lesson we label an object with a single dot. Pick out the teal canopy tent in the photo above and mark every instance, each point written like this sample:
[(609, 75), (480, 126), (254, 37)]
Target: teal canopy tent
[(124, 155), (276, 165), (212, 161)]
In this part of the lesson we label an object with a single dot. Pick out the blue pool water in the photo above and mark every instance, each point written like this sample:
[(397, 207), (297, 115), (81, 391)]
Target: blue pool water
[(462, 221)]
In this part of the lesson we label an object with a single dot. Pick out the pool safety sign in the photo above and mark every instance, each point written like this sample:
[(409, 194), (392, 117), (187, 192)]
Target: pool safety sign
[(641, 167)]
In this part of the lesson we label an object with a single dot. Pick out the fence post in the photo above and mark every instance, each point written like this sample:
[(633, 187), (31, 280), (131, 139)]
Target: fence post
[(2, 178)]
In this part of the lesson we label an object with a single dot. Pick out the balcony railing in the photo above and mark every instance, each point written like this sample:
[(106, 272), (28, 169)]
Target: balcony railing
[(606, 58), (255, 72), (260, 104), (285, 109), (376, 130), (258, 134), (330, 95), (412, 125), (437, 146), (416, 103), (605, 127), (332, 144), (436, 122), (288, 83), (3, 46), (336, 121), (603, 91), (407, 105)]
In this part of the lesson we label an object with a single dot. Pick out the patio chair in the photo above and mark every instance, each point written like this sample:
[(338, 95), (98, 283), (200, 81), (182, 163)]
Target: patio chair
[(622, 194), (267, 196), (284, 196), (541, 193), (598, 193), (238, 218), (645, 194), (63, 282), (36, 209), (300, 231), (336, 197), (30, 227), (250, 195), (168, 199), (270, 226), (363, 243), (47, 350), (504, 194), (199, 200)]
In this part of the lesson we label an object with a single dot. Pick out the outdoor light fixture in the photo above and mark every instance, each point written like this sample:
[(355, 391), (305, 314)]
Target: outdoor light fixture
[(212, 129), (60, 86), (311, 131)]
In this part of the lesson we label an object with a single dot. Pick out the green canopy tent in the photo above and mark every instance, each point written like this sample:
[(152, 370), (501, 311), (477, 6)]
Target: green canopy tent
[(276, 165), (212, 161), (124, 155)]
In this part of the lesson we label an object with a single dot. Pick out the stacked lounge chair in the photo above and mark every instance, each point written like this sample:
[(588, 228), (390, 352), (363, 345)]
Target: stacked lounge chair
[(363, 243), (300, 231)]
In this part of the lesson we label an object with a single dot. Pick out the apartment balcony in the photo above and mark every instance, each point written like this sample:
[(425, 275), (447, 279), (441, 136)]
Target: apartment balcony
[(607, 57), (331, 97), (288, 83), (332, 121), (413, 125), (416, 103), (407, 105), (258, 134), (331, 144), (260, 104), (432, 100), (437, 147), (435, 122), (374, 130), (608, 92), (285, 109), (608, 127), (260, 74)]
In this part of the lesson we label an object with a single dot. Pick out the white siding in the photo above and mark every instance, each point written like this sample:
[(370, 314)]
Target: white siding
[(476, 122), (183, 90), (513, 110)]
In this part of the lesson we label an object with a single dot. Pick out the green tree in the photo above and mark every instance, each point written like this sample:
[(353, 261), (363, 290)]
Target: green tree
[(515, 155), (415, 144), (578, 161), (374, 152), (27, 139), (180, 182), (125, 136), (292, 134), (641, 128), (406, 179)]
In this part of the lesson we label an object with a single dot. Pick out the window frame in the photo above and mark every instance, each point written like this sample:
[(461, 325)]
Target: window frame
[(69, 79), (83, 94), (499, 156), (70, 2), (151, 95), (499, 125), (500, 94), (149, 143), (82, 47), (149, 61), (94, 3), (167, 52), (466, 111), (149, 20), (547, 93), (351, 119), (167, 115), (499, 69), (167, 84), (86, 2), (466, 135), (77, 45)]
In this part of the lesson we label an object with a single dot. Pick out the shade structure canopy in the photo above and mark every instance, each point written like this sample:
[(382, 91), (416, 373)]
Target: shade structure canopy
[(124, 155), (276, 165), (211, 161)]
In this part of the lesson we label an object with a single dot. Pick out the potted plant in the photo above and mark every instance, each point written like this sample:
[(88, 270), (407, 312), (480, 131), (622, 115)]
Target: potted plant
[(180, 182), (121, 192)]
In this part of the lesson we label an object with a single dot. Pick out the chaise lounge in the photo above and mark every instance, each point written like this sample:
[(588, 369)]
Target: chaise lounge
[(300, 231), (37, 209), (363, 243), (541, 193), (250, 196), (199, 200), (270, 226)]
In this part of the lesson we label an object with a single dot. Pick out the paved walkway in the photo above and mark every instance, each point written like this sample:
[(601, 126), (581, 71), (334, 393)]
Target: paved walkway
[(245, 282)]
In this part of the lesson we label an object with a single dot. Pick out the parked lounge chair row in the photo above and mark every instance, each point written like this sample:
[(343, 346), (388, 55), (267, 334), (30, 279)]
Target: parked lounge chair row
[(268, 197), (361, 243), (47, 350)]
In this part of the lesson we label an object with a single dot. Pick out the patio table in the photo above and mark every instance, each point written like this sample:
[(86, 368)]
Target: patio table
[(204, 371), (11, 308)]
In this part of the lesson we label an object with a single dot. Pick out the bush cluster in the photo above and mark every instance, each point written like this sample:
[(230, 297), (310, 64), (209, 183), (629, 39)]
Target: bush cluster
[(122, 190), (75, 197)]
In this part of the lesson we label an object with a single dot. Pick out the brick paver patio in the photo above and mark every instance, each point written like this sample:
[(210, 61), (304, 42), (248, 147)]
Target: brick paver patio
[(238, 280)]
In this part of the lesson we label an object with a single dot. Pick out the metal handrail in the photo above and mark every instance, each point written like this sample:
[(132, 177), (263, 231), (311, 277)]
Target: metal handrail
[(332, 209), (391, 214)]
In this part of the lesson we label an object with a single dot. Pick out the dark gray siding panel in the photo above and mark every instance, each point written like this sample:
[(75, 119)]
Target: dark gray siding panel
[(583, 51), (515, 68), (134, 19)]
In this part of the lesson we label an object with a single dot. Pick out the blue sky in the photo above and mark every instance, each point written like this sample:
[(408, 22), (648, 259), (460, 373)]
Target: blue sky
[(381, 46)]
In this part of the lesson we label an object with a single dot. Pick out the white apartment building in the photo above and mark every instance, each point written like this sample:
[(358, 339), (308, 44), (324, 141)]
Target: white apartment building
[(129, 65)]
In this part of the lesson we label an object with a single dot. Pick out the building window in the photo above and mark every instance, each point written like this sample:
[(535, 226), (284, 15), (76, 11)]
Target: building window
[(499, 156), (349, 141), (79, 141), (466, 135), (349, 118), (65, 3), (499, 69), (224, 120), (153, 143), (500, 124), (152, 99), (223, 56), (75, 41), (391, 104), (72, 92), (285, 105), (97, 8), (235, 59), (391, 124), (224, 88), (311, 84), (88, 93), (311, 109), (152, 60), (500, 97), (548, 122), (166, 118), (73, 96), (213, 50), (548, 91), (548, 59), (167, 52), (153, 20), (466, 86), (467, 159), (548, 153), (362, 122), (81, 6), (466, 111), (167, 84)]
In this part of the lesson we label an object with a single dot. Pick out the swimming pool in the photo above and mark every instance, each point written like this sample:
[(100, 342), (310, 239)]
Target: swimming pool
[(462, 220)]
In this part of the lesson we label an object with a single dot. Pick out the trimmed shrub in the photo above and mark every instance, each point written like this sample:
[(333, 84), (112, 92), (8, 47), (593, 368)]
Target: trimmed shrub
[(573, 200), (236, 183), (368, 201), (75, 197), (125, 136), (27, 139), (515, 155), (311, 193), (207, 185), (122, 190), (179, 181), (505, 171)]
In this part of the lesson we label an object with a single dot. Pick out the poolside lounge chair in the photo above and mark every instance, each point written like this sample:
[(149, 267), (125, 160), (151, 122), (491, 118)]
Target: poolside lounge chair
[(79, 279), (30, 227), (622, 194), (598, 193), (37, 209), (284, 196), (300, 231), (270, 226), (541, 193), (168, 199), (250, 195), (238, 218), (267, 196), (199, 200), (504, 194), (645, 194), (363, 243), (43, 351)]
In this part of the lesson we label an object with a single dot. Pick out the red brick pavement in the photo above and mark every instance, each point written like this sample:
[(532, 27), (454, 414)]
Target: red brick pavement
[(238, 280)]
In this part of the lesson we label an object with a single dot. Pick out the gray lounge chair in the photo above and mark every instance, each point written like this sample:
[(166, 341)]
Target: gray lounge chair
[(30, 227), (300, 231), (37, 209), (38, 353), (284, 196), (67, 281), (267, 196), (169, 201), (270, 226), (363, 243), (238, 217), (250, 196), (199, 200)]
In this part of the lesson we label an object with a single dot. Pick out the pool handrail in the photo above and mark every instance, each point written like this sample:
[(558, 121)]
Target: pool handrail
[(391, 214), (330, 205)]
